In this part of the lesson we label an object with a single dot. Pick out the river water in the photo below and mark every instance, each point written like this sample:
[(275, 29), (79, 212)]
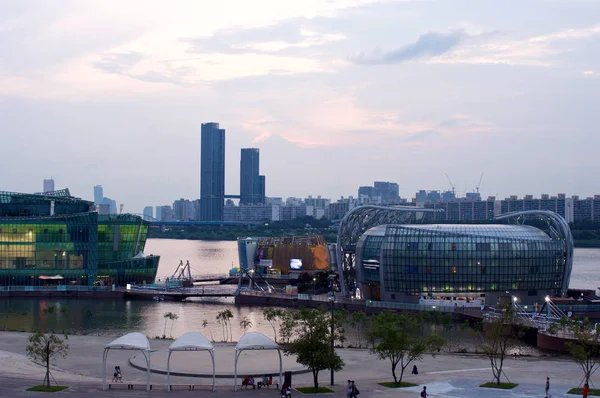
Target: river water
[(114, 317)]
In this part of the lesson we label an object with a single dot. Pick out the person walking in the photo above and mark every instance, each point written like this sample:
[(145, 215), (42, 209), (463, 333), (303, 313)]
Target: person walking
[(586, 390), (547, 387), (415, 371), (349, 389), (355, 391), (424, 392)]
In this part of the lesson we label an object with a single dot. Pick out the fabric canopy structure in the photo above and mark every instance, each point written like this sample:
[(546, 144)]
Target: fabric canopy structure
[(256, 341), (191, 341), (131, 341)]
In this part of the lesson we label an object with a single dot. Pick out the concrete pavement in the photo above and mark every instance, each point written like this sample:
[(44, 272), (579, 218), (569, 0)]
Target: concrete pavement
[(445, 375)]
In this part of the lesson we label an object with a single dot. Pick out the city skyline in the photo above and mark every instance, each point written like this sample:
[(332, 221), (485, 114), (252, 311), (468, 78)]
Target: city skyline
[(334, 94)]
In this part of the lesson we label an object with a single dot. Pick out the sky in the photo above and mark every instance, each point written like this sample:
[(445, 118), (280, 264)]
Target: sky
[(335, 93)]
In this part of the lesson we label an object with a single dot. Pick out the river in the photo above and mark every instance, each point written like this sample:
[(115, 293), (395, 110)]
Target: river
[(114, 317)]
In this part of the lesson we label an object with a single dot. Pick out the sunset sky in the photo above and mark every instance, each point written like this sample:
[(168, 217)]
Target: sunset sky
[(335, 93)]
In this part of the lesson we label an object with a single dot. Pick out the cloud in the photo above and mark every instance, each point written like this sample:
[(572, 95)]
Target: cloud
[(291, 34), (427, 45)]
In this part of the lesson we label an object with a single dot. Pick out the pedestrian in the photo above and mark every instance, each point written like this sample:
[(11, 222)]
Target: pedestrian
[(349, 389), (288, 392), (355, 391), (415, 371), (116, 374), (547, 387), (424, 392), (586, 390)]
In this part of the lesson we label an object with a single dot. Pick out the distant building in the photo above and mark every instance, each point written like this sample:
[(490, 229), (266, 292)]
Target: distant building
[(165, 212), (148, 215), (388, 192), (250, 186), (182, 210), (196, 205), (111, 203), (339, 209), (98, 194), (212, 172), (263, 189), (48, 185), (559, 204), (365, 192), (252, 213)]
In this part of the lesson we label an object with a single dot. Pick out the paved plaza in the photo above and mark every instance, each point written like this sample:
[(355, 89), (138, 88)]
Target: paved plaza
[(447, 375)]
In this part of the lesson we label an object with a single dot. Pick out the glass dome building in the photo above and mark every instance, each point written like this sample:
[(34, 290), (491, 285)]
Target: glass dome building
[(488, 262)]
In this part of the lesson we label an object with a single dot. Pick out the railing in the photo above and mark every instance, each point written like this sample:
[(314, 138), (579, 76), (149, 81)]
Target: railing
[(57, 288), (409, 306)]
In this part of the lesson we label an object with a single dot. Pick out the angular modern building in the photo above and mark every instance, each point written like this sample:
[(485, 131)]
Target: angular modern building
[(212, 172), (250, 182), (491, 262), (56, 237)]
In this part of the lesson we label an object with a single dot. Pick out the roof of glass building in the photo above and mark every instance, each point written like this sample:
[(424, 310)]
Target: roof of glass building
[(61, 195), (498, 231)]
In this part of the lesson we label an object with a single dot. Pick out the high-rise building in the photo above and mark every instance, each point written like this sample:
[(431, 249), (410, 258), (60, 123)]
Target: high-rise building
[(159, 213), (148, 213), (98, 194), (389, 192), (49, 185), (263, 189), (212, 172), (183, 210), (250, 190)]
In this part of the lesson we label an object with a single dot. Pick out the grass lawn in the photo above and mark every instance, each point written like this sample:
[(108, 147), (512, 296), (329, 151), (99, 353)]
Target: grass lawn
[(46, 389), (312, 390), (578, 391), (501, 386), (391, 384)]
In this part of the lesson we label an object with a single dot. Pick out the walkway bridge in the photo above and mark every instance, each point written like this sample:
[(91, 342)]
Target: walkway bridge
[(180, 294), (540, 319)]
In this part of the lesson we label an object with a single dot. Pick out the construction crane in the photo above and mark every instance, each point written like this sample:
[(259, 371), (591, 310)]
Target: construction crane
[(479, 183), (452, 185)]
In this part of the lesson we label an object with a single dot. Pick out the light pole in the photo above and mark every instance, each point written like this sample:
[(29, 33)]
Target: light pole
[(331, 301)]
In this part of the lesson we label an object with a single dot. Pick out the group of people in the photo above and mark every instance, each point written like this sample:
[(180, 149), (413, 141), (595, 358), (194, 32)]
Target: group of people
[(266, 381), (117, 375), (352, 391)]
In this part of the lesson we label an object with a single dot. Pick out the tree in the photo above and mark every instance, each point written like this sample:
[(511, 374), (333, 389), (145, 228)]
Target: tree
[(43, 348), (498, 339), (399, 338), (585, 350), (224, 319), (358, 320), (308, 336), (172, 317), (273, 315), (245, 323)]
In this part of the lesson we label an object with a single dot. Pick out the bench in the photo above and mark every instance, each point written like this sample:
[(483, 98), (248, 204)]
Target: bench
[(133, 386), (115, 385)]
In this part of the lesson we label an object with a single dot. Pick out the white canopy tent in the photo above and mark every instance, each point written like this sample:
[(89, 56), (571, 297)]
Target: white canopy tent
[(131, 341), (256, 341), (191, 341)]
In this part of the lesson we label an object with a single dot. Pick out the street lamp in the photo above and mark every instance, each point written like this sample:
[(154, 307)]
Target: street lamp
[(331, 299)]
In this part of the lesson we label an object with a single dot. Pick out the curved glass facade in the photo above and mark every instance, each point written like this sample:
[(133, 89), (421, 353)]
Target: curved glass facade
[(453, 260), (55, 237)]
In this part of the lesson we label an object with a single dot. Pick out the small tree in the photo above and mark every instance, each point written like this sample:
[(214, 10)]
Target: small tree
[(44, 348), (172, 317), (245, 324), (273, 316), (224, 319), (358, 319), (498, 338), (585, 350), (308, 336), (399, 338)]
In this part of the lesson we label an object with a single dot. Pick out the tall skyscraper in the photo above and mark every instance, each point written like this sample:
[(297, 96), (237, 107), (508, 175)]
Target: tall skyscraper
[(250, 189), (148, 213), (48, 185), (212, 172), (263, 189), (98, 194)]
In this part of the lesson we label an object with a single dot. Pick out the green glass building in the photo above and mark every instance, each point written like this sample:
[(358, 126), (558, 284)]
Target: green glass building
[(57, 238)]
